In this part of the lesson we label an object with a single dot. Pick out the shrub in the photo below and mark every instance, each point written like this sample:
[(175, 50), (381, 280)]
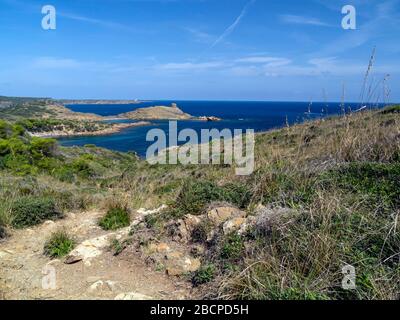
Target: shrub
[(5, 129), (29, 211), (115, 218), (82, 167), (41, 147), (59, 245), (205, 274), (232, 247), (195, 195)]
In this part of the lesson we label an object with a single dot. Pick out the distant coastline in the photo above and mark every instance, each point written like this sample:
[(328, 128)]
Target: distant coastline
[(115, 128), (97, 102)]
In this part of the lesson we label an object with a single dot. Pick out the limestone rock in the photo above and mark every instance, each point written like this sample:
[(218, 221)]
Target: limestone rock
[(101, 286), (177, 263), (158, 248), (144, 212), (88, 249), (233, 224), (219, 215)]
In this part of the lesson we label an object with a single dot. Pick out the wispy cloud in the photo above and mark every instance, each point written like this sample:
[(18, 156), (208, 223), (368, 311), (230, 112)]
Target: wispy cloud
[(233, 26), (55, 63), (294, 19), (99, 22), (270, 61), (201, 36), (185, 66)]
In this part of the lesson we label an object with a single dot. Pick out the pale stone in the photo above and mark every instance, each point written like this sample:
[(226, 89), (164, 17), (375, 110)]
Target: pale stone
[(221, 214), (158, 247), (3, 254), (102, 286), (233, 225), (92, 248), (177, 264), (132, 296)]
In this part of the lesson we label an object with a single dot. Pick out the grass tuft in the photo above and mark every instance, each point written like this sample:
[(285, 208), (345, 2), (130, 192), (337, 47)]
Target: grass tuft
[(59, 245), (115, 218)]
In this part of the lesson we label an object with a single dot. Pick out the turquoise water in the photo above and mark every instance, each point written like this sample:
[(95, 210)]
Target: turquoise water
[(260, 116)]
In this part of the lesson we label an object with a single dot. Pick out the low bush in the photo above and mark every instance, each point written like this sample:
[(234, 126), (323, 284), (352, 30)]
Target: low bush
[(29, 211)]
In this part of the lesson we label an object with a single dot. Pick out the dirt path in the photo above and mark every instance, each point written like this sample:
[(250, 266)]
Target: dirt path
[(126, 276)]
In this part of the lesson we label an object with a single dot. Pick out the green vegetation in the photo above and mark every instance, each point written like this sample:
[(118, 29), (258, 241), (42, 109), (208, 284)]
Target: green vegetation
[(13, 109), (29, 211), (232, 247), (59, 245), (378, 183), (49, 125), (204, 275), (392, 109), (115, 218)]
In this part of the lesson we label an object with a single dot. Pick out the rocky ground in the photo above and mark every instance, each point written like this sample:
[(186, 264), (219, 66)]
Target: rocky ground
[(150, 264), (92, 272)]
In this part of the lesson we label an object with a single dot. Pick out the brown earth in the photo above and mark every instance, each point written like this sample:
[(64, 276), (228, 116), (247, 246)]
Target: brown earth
[(106, 276)]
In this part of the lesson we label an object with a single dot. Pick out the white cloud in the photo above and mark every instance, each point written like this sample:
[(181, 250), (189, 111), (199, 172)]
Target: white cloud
[(55, 63), (294, 19), (190, 66), (266, 60)]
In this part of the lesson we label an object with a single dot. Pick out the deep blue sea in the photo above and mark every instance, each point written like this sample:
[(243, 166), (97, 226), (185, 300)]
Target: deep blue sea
[(260, 116)]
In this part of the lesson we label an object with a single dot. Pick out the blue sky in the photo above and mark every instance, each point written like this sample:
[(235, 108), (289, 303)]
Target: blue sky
[(197, 49)]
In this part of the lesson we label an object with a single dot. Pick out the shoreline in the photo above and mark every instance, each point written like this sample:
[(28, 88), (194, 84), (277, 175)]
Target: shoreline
[(116, 128)]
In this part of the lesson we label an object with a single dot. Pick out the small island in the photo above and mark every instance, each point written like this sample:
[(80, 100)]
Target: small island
[(164, 113)]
